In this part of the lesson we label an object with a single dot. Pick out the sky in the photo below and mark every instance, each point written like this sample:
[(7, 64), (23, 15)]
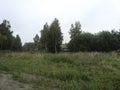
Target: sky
[(27, 17)]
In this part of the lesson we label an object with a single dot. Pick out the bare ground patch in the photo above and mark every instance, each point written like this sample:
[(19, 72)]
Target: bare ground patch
[(7, 83)]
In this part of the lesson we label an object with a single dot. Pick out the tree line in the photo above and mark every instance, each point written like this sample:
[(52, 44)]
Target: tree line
[(51, 37), (103, 41)]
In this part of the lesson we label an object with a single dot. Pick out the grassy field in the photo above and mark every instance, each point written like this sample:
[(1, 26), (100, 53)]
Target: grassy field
[(64, 71)]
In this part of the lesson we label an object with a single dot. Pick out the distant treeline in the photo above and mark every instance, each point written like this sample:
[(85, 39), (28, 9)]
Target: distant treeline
[(102, 41), (51, 39)]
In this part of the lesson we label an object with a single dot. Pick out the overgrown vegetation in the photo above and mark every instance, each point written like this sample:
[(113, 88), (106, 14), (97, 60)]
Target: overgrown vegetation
[(64, 71)]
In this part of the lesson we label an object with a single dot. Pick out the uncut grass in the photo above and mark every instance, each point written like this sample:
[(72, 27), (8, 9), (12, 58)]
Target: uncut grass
[(67, 71)]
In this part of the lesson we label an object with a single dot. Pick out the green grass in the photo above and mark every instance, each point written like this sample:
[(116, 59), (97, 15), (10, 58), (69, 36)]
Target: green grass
[(64, 71)]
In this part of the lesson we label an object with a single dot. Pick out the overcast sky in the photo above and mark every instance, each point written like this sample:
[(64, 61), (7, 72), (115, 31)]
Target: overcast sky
[(27, 17)]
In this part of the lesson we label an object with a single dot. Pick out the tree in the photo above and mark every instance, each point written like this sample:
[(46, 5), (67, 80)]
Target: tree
[(54, 37), (86, 42), (7, 40), (36, 41), (44, 37), (116, 35), (5, 35), (73, 44), (75, 32), (2, 39), (51, 37), (16, 43)]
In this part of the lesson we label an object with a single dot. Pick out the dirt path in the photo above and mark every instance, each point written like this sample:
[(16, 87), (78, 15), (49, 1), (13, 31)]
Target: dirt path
[(7, 83)]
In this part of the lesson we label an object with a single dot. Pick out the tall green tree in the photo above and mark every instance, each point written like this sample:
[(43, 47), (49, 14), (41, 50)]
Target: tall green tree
[(18, 43), (75, 32), (44, 37), (36, 41), (5, 35), (54, 37)]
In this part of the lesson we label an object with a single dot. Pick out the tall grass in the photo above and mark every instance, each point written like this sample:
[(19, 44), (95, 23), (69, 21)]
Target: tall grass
[(66, 71)]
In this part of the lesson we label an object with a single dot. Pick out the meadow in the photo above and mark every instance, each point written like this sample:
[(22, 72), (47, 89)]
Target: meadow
[(63, 71)]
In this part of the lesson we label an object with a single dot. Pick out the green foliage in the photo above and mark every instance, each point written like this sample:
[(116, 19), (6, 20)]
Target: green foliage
[(5, 35), (51, 37), (102, 41), (75, 32), (44, 38), (36, 42), (16, 43), (7, 40), (30, 46), (55, 37)]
